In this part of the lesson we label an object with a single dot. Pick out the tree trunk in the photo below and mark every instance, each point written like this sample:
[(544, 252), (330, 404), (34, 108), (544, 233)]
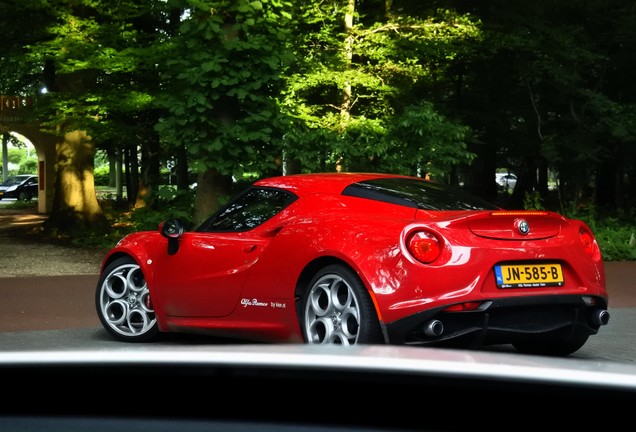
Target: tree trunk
[(181, 168), (132, 173), (75, 203), (345, 108), (605, 184), (150, 176), (211, 188), (112, 168), (119, 173), (526, 183)]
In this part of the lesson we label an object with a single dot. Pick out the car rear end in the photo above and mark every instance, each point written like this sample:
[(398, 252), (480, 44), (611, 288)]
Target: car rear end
[(499, 277)]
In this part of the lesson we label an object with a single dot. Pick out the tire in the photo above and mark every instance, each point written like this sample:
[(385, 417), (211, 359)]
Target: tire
[(553, 346), (123, 302), (23, 196), (337, 309)]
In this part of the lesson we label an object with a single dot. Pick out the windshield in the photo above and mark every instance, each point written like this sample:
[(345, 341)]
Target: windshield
[(13, 181)]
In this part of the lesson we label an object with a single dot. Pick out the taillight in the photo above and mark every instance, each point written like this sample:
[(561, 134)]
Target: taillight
[(424, 246), (587, 239)]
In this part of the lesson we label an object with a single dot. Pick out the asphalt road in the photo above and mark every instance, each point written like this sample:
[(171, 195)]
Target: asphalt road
[(58, 312)]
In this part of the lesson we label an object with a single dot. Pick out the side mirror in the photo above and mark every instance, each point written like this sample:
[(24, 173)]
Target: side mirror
[(172, 229)]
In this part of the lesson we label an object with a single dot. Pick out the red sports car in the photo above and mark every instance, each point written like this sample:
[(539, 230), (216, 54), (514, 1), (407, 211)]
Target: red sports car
[(351, 258)]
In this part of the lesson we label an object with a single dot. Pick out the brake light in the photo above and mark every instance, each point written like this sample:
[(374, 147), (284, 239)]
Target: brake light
[(587, 239), (424, 246), (519, 213)]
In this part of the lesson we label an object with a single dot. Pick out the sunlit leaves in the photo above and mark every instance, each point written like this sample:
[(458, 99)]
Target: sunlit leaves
[(230, 75), (394, 61)]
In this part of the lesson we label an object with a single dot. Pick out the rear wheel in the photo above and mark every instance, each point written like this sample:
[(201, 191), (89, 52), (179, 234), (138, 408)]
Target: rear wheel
[(337, 309), (123, 302)]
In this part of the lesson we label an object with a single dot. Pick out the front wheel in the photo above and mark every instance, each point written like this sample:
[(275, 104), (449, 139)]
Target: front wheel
[(337, 309), (123, 302)]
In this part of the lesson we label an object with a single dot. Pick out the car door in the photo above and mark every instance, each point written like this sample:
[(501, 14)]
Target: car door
[(205, 277), (30, 187)]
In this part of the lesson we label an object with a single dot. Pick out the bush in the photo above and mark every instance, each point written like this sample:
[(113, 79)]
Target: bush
[(615, 231), (102, 175)]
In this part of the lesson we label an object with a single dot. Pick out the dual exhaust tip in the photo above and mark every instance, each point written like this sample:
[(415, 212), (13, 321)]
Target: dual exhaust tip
[(435, 328), (600, 317)]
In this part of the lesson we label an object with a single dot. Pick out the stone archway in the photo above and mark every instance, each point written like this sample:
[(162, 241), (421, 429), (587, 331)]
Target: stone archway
[(44, 145), (12, 120)]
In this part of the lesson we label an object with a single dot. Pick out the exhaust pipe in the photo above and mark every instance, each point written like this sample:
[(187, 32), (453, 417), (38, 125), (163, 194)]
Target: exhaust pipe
[(600, 317), (434, 328)]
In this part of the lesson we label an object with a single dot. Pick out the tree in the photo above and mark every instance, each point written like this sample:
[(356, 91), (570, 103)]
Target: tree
[(100, 64), (235, 90), (222, 87), (537, 87), (359, 69)]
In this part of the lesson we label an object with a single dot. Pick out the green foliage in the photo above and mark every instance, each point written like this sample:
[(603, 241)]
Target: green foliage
[(21, 205), (23, 159), (423, 140), (29, 166), (616, 239), (385, 126), (615, 231), (222, 102), (172, 203), (432, 87), (533, 201), (16, 155), (102, 175)]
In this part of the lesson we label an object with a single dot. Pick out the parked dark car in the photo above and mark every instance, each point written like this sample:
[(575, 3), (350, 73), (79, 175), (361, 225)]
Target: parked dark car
[(22, 187)]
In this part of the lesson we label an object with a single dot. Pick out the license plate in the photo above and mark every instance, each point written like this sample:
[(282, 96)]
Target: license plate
[(529, 275)]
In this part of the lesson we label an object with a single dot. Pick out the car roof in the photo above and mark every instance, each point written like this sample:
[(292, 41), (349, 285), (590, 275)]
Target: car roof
[(324, 183), (11, 180)]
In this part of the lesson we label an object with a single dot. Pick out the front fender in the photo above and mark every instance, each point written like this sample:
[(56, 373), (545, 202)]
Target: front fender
[(140, 246)]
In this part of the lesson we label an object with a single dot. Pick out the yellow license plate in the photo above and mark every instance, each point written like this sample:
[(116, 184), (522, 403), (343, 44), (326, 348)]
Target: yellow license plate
[(529, 275)]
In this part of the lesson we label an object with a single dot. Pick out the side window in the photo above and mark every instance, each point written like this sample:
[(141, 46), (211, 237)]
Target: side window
[(248, 210)]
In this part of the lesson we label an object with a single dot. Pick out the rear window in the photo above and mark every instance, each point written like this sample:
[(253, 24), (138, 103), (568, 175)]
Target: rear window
[(421, 194)]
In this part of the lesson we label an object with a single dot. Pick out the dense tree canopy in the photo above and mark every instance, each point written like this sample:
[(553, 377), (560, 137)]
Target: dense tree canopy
[(230, 90)]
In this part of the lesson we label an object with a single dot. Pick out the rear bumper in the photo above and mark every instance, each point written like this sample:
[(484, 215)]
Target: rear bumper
[(500, 321)]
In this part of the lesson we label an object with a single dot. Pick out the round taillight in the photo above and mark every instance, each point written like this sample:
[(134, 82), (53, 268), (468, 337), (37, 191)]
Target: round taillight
[(424, 246), (588, 241)]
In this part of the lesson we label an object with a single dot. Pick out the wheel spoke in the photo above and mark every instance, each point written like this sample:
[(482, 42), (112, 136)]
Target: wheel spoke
[(125, 304), (331, 314)]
